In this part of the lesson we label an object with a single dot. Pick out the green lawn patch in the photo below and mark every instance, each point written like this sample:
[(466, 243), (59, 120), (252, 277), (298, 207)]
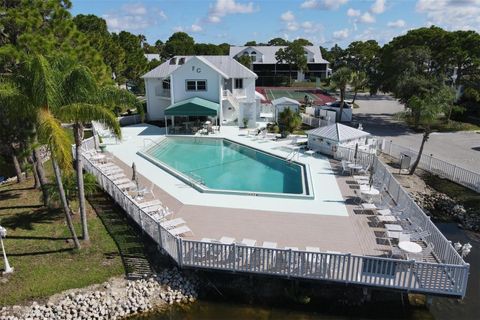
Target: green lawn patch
[(37, 247)]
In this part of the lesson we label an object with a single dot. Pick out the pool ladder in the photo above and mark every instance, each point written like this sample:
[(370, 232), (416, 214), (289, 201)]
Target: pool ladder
[(292, 155)]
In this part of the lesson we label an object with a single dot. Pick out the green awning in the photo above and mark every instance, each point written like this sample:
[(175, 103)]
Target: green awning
[(193, 107)]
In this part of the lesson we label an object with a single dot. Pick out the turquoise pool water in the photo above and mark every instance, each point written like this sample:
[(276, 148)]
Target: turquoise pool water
[(224, 165)]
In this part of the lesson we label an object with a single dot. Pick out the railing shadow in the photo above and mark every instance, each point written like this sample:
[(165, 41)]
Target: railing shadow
[(125, 234)]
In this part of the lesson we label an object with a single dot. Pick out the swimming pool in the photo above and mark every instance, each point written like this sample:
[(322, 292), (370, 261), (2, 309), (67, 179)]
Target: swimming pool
[(221, 165)]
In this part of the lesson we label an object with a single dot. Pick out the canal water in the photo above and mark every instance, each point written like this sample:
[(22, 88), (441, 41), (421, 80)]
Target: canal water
[(441, 308)]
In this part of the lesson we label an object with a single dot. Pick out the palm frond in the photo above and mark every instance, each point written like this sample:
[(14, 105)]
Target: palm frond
[(79, 85), (44, 83), (52, 133), (113, 97), (84, 112)]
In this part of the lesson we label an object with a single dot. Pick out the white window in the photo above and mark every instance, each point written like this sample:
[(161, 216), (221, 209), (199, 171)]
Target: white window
[(196, 85), (238, 83)]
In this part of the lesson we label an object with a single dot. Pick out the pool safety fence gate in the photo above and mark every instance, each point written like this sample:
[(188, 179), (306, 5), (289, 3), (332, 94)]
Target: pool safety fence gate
[(428, 162), (449, 277)]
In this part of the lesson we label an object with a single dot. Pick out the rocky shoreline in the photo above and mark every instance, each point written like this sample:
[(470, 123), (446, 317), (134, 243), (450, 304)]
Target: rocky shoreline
[(441, 206), (117, 298)]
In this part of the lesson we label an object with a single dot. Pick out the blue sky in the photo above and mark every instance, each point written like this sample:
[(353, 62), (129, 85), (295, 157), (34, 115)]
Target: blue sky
[(323, 22)]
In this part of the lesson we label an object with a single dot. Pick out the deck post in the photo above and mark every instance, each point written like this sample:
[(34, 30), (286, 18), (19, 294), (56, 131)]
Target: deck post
[(234, 248), (180, 251), (289, 262), (159, 234), (410, 277), (141, 222), (430, 162), (349, 257)]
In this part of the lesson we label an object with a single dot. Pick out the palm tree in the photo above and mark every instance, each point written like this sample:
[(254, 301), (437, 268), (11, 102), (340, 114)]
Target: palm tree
[(83, 102), (427, 109), (339, 80), (289, 121), (359, 82), (52, 133)]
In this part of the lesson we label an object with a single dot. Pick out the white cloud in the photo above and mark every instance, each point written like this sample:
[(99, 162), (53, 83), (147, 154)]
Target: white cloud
[(309, 27), (451, 14), (340, 34), (323, 4), (366, 18), (353, 13), (292, 26), (133, 17), (225, 7), (196, 28), (287, 16), (378, 7), (397, 24), (214, 19)]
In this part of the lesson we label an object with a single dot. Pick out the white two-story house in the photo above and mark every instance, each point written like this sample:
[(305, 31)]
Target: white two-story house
[(217, 87)]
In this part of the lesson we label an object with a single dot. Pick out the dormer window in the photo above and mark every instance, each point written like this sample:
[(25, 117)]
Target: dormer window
[(253, 56), (173, 61)]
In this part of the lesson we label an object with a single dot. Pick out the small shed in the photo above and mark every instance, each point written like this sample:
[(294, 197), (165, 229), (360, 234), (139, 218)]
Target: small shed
[(327, 139), (283, 103)]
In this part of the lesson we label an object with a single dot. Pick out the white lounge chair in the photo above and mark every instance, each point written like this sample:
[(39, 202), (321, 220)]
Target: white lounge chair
[(172, 223), (121, 180), (180, 230), (345, 167), (149, 203), (127, 186), (116, 176)]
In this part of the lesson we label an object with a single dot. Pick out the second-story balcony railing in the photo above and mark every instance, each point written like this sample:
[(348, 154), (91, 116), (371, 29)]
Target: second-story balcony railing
[(236, 93)]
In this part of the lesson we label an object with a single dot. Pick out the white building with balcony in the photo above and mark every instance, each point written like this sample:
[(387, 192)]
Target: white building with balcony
[(217, 87), (268, 68)]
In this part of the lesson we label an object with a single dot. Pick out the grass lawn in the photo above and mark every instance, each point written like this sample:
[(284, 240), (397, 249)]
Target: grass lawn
[(45, 262)]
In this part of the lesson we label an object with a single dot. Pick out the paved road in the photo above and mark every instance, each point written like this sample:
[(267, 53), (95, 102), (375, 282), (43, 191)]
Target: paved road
[(376, 115)]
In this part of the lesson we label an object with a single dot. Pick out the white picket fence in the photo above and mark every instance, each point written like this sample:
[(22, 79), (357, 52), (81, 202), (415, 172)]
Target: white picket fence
[(448, 278), (452, 172)]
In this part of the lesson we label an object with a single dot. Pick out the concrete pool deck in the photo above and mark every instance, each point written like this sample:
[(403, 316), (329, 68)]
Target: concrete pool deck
[(328, 199), (327, 222)]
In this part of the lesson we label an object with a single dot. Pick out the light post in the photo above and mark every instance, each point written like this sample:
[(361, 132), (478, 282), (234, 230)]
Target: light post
[(3, 234)]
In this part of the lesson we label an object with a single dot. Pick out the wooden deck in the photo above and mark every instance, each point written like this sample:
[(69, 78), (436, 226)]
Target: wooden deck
[(351, 234)]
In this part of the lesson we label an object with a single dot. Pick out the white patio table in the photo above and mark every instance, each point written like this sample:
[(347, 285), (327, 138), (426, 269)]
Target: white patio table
[(355, 167), (412, 249)]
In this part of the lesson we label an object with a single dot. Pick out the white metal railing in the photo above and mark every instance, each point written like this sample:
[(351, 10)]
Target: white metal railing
[(443, 249), (314, 122), (239, 93), (447, 278), (436, 166), (227, 94)]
